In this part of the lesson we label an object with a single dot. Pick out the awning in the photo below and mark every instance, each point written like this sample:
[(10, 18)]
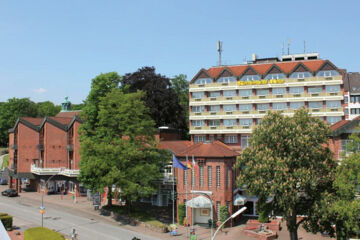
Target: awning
[(239, 200), (199, 202)]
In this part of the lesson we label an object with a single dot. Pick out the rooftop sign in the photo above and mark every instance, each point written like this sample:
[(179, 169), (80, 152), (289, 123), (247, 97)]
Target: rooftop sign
[(260, 82)]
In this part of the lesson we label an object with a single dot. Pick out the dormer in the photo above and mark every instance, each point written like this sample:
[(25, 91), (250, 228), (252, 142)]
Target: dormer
[(202, 77), (274, 73), (226, 76), (300, 72), (250, 74), (328, 70)]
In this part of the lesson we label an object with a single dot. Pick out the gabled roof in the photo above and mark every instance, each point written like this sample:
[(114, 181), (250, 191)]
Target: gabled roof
[(344, 125), (211, 150), (68, 114), (175, 146)]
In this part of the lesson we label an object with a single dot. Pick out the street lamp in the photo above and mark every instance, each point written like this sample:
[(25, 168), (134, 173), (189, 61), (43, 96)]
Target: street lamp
[(232, 216)]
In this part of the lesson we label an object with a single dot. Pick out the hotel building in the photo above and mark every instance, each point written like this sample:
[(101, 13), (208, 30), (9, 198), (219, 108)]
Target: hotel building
[(227, 102)]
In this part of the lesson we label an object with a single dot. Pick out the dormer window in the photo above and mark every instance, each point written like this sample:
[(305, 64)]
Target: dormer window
[(328, 73), (250, 78), (203, 81), (226, 79), (275, 76), (300, 75)]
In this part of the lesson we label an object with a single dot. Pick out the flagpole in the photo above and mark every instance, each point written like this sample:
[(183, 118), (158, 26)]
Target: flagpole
[(192, 195), (187, 183), (173, 193)]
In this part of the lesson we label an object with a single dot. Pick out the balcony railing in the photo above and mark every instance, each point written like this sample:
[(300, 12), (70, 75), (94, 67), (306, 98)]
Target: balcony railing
[(267, 82), (54, 171), (236, 127)]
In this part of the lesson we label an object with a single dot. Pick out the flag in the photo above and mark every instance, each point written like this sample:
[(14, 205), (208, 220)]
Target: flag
[(178, 164), (194, 165), (188, 164)]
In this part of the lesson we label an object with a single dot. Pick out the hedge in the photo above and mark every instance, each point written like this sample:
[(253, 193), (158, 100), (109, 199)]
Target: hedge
[(40, 233), (181, 213), (7, 220), (224, 214)]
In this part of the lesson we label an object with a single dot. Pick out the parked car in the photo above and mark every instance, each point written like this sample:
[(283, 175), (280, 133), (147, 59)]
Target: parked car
[(9, 193), (3, 181)]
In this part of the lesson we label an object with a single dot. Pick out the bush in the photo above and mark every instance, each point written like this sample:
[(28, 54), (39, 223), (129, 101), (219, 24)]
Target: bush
[(264, 210), (181, 212), (7, 221), (5, 161), (38, 233), (224, 213)]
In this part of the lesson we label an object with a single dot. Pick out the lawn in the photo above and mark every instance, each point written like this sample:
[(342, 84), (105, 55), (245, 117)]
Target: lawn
[(40, 233), (5, 161)]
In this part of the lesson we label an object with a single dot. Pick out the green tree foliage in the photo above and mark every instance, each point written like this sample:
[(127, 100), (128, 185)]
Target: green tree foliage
[(181, 209), (79, 106), (181, 87), (224, 213), (161, 98), (290, 161), (122, 150), (340, 207), (47, 109), (10, 111), (264, 210)]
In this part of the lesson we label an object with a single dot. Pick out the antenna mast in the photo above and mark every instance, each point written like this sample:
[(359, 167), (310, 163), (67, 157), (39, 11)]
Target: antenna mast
[(282, 48), (304, 46), (288, 46), (219, 49)]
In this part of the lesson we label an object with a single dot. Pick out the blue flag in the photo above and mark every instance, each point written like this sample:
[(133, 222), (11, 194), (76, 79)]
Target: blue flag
[(178, 164)]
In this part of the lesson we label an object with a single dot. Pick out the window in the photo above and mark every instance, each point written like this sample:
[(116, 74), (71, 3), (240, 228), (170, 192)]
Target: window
[(201, 177), (227, 178), (258, 121), (296, 90), (245, 107), (203, 81), (229, 93), (198, 108), (275, 76), (214, 122), (263, 106), (333, 88), (193, 177), (229, 108), (185, 177), (245, 139), (279, 106), (346, 99), (328, 73), (198, 94), (230, 122), (226, 79), (214, 94), (317, 89), (198, 123), (217, 176), (231, 139), (250, 78), (211, 138), (333, 104), (300, 75), (296, 105), (352, 99), (346, 111), (316, 105), (209, 176), (218, 210), (199, 138), (71, 186), (214, 108), (228, 206), (245, 122), (333, 119), (245, 92), (279, 91), (262, 92)]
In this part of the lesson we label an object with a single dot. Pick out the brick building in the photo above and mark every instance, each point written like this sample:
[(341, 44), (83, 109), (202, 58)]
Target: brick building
[(40, 148)]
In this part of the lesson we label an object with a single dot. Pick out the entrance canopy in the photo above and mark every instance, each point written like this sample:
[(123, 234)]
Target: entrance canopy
[(239, 200), (199, 202)]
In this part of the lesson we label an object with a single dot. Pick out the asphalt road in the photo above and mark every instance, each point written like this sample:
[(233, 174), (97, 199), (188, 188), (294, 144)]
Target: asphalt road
[(26, 214)]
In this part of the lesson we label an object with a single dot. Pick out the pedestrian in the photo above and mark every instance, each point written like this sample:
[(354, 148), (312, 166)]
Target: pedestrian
[(74, 234)]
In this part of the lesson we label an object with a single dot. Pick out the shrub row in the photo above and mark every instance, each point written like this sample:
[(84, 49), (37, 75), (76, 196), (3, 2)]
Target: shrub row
[(6, 220), (42, 233)]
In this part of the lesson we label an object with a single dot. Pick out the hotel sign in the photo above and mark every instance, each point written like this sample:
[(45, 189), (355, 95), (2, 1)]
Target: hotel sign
[(261, 82)]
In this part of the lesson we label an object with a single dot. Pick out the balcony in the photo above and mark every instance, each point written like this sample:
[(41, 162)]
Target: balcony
[(54, 171), (221, 129)]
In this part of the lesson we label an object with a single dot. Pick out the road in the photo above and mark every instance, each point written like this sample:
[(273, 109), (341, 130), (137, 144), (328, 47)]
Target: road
[(26, 214)]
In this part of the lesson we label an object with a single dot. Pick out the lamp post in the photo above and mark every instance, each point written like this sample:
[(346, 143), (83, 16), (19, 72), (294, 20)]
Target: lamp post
[(232, 216)]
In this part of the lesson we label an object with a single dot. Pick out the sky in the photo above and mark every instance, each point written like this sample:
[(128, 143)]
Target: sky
[(52, 49)]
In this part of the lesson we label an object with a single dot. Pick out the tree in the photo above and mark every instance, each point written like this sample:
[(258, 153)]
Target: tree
[(10, 111), (161, 98), (181, 87), (79, 106), (122, 150), (290, 161), (224, 214), (47, 109), (340, 207)]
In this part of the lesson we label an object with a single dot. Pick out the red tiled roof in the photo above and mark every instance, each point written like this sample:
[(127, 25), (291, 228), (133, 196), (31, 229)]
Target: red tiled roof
[(175, 146), (61, 120), (214, 149), (338, 124), (33, 121), (68, 114), (262, 68)]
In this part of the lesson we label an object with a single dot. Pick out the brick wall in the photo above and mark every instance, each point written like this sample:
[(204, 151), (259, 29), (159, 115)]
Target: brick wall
[(28, 152), (55, 141)]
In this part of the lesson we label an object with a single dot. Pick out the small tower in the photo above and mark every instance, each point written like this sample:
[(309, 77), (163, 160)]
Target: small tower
[(66, 105)]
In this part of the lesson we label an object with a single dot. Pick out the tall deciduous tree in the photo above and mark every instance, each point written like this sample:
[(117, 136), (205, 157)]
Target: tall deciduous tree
[(288, 160), (10, 111), (47, 108), (161, 99), (181, 87)]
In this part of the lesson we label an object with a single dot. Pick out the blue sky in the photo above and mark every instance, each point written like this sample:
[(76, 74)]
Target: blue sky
[(52, 49)]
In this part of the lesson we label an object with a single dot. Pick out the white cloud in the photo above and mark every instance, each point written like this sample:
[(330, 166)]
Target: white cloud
[(39, 90)]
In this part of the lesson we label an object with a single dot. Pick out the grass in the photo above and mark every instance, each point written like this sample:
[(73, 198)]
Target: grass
[(5, 161), (138, 214), (40, 233)]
